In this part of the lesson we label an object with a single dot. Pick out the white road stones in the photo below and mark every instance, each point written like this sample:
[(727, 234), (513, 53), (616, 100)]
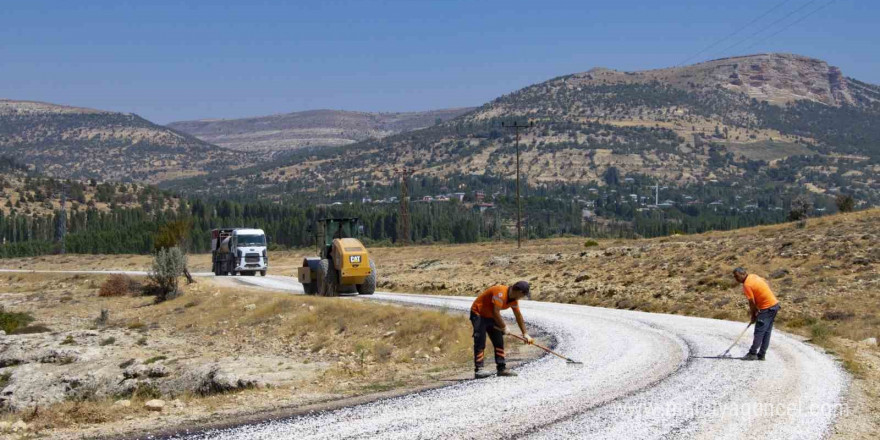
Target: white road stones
[(644, 377)]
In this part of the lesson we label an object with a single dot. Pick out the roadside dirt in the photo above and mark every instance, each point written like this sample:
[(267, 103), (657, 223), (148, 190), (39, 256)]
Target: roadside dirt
[(217, 355)]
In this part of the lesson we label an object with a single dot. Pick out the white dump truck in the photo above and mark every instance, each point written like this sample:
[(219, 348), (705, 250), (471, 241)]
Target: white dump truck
[(239, 251)]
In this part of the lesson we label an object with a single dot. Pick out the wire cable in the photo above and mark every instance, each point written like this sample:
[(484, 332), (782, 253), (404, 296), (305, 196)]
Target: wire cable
[(785, 17), (740, 29), (791, 24)]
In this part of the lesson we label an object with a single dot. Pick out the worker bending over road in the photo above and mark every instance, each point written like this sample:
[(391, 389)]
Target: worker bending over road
[(486, 318), (763, 307)]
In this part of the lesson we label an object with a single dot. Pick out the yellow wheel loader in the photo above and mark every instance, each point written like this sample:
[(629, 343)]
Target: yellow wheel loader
[(343, 264)]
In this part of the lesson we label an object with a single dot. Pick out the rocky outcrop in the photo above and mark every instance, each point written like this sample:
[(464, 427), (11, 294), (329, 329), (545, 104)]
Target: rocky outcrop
[(48, 368), (776, 78)]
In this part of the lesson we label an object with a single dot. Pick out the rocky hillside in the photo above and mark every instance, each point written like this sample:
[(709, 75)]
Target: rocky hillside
[(270, 134), (776, 78), (772, 118), (28, 195), (825, 273), (71, 142)]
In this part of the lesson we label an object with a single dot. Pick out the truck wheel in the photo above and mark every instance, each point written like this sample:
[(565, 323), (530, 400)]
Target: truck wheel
[(262, 273), (369, 285), (327, 284)]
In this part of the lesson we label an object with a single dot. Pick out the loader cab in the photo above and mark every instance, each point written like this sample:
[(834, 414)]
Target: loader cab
[(343, 264), (333, 228)]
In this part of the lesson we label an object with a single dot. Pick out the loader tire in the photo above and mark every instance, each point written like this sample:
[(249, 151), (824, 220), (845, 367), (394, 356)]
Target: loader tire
[(327, 279), (369, 285)]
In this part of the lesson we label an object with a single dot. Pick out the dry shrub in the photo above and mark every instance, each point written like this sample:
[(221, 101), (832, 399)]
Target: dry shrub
[(117, 285), (838, 315), (72, 413), (12, 321)]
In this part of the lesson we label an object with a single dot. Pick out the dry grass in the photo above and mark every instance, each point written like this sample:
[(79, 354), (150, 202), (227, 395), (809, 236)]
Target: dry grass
[(321, 348), (76, 413)]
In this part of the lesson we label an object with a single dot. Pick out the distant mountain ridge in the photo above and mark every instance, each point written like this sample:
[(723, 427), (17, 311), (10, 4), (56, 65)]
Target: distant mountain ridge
[(73, 142), (776, 78), (752, 119), (312, 128)]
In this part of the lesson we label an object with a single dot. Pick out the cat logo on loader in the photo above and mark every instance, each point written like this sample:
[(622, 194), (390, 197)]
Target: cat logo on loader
[(343, 264)]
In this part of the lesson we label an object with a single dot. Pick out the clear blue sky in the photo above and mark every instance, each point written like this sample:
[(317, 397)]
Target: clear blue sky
[(178, 60)]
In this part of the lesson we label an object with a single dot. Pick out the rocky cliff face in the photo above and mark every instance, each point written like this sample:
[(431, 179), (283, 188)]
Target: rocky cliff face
[(776, 78)]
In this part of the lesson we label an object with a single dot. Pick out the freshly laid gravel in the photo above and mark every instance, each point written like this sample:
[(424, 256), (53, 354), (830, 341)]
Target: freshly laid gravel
[(645, 376)]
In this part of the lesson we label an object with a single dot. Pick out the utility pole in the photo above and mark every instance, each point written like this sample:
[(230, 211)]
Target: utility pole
[(516, 127), (61, 225), (403, 226), (657, 194)]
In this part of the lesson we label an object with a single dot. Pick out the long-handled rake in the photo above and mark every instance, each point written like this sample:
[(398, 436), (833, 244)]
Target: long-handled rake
[(726, 353), (570, 361)]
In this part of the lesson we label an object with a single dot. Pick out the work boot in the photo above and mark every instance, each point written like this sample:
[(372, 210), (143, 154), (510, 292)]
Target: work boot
[(751, 357), (482, 374), (760, 357), (507, 373)]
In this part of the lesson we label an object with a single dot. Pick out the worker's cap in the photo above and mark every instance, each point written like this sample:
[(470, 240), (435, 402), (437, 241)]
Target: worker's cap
[(740, 270), (522, 286)]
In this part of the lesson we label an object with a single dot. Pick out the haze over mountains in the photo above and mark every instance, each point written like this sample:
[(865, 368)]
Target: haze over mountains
[(776, 117), (314, 128)]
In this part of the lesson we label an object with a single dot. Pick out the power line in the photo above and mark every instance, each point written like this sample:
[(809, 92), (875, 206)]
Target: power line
[(740, 29), (785, 17), (791, 24)]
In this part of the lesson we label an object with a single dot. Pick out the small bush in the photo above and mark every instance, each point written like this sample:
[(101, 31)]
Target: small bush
[(798, 321), (4, 379), (109, 341), (116, 285), (800, 209), (819, 332), (155, 359), (591, 243), (837, 315), (68, 340), (168, 267), (146, 391), (11, 321), (31, 329), (845, 203), (382, 351)]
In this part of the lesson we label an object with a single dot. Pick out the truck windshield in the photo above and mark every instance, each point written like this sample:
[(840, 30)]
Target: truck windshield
[(251, 240)]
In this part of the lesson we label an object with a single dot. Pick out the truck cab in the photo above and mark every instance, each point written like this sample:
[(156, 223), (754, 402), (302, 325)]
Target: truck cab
[(239, 251)]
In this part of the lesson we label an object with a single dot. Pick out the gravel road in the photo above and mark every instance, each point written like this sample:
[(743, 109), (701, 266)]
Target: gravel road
[(645, 376)]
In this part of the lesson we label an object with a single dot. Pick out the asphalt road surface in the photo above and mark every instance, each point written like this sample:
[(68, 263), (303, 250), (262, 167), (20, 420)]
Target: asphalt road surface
[(645, 376)]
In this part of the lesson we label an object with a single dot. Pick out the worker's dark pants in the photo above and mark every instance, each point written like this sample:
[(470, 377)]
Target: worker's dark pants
[(481, 327), (763, 328)]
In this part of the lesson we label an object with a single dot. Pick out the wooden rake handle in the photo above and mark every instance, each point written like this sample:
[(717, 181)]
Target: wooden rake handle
[(571, 361)]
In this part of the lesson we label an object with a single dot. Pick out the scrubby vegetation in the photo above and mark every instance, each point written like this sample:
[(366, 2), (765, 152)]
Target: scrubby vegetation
[(119, 285), (12, 321), (168, 266)]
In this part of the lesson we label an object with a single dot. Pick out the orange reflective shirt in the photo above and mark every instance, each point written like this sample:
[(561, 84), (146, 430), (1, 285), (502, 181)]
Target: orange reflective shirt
[(495, 295), (757, 290)]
